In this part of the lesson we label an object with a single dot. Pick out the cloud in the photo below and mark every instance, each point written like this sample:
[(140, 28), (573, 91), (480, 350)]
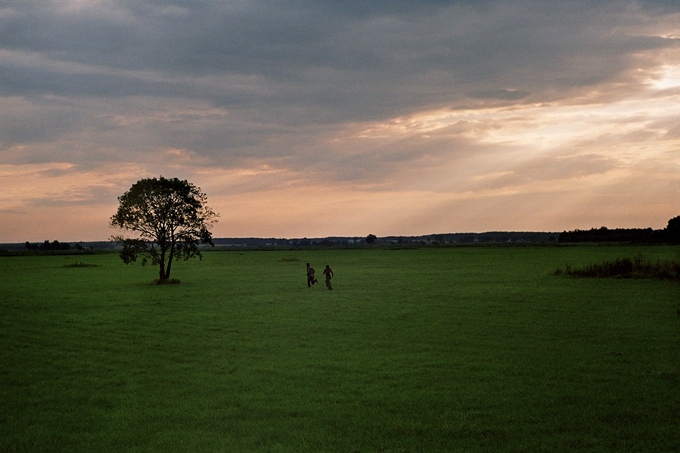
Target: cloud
[(310, 56), (501, 93), (387, 98)]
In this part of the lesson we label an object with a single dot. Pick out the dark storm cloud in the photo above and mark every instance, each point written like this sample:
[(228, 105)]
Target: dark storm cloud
[(510, 95), (319, 53), (28, 123), (280, 68)]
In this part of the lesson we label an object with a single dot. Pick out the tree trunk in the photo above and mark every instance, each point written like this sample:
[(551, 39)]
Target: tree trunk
[(167, 269), (161, 276)]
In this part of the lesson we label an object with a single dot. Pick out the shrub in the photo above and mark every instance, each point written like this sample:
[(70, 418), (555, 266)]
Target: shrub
[(637, 267)]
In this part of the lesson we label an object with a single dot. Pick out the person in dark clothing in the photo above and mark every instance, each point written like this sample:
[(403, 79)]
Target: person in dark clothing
[(310, 276), (328, 272)]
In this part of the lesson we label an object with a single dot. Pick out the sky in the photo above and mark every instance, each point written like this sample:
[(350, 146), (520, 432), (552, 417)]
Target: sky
[(342, 118)]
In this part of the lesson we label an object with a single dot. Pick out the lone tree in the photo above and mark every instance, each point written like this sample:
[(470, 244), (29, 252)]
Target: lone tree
[(170, 218)]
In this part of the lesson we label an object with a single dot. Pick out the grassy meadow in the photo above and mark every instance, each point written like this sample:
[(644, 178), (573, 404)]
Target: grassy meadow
[(432, 349)]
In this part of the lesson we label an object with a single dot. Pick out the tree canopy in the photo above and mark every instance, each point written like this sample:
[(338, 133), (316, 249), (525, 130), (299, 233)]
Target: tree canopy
[(673, 229), (170, 219)]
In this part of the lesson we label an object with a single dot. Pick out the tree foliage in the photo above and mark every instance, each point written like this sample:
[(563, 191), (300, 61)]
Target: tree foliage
[(673, 229), (170, 219), (48, 246)]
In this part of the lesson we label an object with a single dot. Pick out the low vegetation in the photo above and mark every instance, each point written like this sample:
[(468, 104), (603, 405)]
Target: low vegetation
[(638, 267)]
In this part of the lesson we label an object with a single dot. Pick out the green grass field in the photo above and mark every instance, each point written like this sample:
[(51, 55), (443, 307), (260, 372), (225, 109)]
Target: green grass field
[(442, 349)]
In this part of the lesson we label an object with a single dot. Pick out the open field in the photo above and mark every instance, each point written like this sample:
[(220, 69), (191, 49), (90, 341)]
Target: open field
[(442, 349)]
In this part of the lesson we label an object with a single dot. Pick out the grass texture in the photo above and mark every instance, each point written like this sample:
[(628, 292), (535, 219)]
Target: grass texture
[(442, 349)]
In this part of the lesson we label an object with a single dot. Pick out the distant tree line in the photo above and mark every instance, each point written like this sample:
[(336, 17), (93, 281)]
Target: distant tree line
[(48, 246), (647, 235), (670, 234)]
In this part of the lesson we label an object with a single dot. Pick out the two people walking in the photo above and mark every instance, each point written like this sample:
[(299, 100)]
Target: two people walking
[(311, 279)]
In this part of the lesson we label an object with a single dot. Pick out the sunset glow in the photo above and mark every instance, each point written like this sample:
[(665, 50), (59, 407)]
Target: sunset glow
[(320, 121)]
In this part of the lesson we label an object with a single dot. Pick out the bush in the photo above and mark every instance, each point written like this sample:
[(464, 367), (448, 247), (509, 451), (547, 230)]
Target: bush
[(637, 267)]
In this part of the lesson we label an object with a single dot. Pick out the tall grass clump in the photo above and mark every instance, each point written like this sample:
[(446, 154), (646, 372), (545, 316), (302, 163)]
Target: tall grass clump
[(638, 267)]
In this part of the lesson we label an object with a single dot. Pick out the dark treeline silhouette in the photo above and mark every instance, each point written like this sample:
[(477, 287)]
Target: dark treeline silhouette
[(605, 234), (671, 234), (48, 246)]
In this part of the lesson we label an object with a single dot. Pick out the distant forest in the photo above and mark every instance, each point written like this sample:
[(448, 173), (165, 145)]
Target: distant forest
[(605, 234), (670, 234)]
